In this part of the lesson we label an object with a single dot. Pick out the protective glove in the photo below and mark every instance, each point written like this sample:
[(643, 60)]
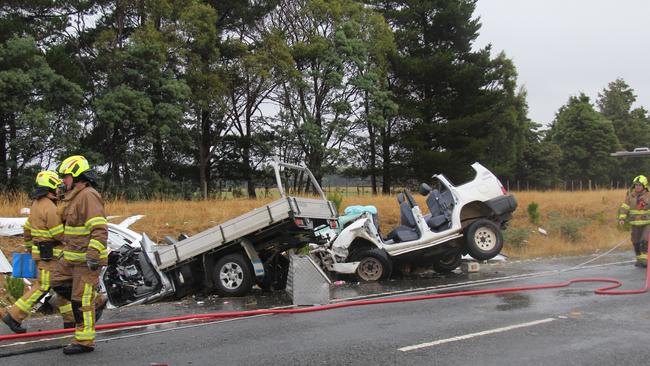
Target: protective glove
[(93, 264)]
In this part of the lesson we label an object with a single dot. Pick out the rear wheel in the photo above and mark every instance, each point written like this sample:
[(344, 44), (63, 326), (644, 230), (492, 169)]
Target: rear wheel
[(447, 262), (276, 270), (232, 275), (484, 239), (374, 264)]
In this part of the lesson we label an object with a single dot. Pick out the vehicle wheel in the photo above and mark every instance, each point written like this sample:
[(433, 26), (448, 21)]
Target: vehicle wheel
[(447, 262), (276, 271), (484, 239), (183, 281), (232, 275), (375, 264)]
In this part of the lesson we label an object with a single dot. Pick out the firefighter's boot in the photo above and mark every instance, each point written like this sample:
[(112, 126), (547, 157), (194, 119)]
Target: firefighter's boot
[(642, 258), (74, 348), (13, 325)]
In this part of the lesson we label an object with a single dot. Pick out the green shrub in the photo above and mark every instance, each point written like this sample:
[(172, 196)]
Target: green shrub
[(336, 198), (15, 287), (533, 213), (571, 229), (600, 217), (516, 237)]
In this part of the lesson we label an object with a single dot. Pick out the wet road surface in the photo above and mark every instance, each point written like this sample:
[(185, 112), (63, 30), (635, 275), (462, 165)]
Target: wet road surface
[(561, 326)]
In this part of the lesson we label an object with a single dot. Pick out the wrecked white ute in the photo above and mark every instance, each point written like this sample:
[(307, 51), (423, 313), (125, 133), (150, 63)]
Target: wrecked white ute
[(464, 219), (130, 277)]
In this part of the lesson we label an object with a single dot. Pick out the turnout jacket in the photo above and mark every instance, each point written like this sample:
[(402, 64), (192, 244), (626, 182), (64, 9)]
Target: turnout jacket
[(636, 208), (86, 227), (44, 225)]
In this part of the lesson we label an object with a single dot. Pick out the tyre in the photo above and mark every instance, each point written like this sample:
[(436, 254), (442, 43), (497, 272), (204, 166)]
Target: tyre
[(447, 262), (232, 275), (276, 271), (483, 239), (374, 264), (183, 281)]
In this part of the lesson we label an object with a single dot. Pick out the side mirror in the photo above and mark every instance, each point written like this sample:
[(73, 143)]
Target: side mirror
[(425, 189)]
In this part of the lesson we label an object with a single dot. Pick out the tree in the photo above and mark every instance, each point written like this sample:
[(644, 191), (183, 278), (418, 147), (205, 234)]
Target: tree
[(202, 74), (318, 98), (456, 104), (254, 65), (586, 139), (370, 73), (632, 127), (140, 113), (37, 112), (540, 159)]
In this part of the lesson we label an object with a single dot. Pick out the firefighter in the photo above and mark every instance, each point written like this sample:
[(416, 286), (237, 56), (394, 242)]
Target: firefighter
[(84, 251), (43, 232), (636, 211)]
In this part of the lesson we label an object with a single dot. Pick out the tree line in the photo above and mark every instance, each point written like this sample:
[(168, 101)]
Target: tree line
[(161, 95)]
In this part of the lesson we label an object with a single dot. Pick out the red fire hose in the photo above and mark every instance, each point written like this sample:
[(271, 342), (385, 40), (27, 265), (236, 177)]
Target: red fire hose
[(601, 291)]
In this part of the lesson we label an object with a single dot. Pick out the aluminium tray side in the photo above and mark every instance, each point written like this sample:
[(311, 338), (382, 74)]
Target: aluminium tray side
[(228, 231), (239, 227)]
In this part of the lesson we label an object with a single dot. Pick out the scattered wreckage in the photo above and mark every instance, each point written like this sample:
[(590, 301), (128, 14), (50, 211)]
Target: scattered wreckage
[(228, 258), (231, 257)]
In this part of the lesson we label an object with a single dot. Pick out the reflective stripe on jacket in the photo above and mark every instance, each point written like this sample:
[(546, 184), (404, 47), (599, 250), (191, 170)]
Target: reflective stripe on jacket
[(636, 208), (86, 227), (43, 224)]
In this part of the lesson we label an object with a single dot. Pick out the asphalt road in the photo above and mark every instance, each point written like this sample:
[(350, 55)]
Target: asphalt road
[(568, 326)]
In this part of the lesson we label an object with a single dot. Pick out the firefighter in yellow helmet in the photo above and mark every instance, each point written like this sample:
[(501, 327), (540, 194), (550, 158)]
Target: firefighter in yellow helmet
[(43, 232), (84, 252), (636, 211)]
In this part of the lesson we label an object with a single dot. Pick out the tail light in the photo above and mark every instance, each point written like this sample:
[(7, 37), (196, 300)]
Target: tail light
[(503, 189), (334, 224), (299, 222)]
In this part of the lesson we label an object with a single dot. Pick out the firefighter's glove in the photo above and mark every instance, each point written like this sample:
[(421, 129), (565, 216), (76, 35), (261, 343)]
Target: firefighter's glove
[(93, 264)]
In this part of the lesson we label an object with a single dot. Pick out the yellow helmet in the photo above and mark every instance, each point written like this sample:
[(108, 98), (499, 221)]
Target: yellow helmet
[(74, 165), (48, 179), (642, 180)]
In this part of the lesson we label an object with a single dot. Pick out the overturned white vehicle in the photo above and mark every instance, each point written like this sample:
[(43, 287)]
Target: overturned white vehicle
[(464, 219)]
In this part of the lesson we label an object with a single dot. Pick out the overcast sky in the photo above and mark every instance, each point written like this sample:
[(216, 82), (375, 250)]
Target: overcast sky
[(564, 47)]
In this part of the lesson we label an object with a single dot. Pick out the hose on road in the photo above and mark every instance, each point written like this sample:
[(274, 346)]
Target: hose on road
[(608, 290)]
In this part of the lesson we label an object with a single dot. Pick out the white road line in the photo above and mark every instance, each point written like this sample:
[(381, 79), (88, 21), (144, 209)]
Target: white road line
[(473, 335)]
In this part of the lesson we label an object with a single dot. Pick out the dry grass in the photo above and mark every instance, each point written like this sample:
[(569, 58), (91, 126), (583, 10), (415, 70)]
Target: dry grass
[(595, 210)]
